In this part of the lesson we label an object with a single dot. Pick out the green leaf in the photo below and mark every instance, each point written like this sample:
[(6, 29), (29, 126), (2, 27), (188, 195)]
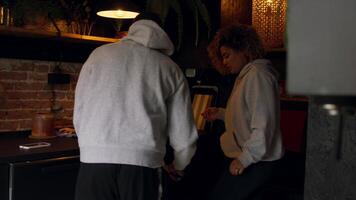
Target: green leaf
[(203, 11), (160, 7), (193, 6), (177, 8), (200, 12)]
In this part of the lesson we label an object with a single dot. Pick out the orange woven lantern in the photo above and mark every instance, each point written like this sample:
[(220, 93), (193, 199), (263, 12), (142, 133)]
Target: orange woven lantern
[(268, 18)]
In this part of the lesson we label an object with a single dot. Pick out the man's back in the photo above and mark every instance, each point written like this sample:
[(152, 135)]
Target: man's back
[(129, 96)]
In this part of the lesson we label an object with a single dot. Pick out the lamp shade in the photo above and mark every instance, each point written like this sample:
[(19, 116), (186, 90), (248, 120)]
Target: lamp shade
[(117, 14), (119, 10)]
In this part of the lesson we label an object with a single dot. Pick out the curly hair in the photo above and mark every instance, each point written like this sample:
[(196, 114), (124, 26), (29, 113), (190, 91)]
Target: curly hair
[(238, 37)]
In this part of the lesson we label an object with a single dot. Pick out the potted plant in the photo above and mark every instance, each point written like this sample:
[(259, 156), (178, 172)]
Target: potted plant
[(34, 14), (79, 15)]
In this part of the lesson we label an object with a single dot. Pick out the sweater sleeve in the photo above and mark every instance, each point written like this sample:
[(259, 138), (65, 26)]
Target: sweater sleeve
[(181, 128), (263, 104)]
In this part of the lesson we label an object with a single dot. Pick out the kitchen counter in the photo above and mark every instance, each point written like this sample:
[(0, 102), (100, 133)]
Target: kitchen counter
[(10, 151), (37, 173)]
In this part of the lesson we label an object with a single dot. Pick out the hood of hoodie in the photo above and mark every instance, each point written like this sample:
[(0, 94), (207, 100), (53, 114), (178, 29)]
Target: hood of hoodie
[(263, 64), (151, 35)]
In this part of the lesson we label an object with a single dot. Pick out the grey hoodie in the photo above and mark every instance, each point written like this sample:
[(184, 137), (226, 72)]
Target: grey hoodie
[(252, 116), (130, 98)]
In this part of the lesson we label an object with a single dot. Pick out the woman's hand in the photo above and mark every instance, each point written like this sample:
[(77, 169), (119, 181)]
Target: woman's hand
[(210, 114), (236, 167), (175, 175)]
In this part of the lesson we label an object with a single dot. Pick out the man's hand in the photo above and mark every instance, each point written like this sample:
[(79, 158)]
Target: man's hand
[(175, 175), (236, 167)]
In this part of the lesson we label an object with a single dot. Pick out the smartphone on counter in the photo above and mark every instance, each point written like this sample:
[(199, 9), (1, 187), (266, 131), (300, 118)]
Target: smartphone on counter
[(34, 145)]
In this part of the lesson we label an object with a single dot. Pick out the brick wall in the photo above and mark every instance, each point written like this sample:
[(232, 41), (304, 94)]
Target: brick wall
[(24, 91)]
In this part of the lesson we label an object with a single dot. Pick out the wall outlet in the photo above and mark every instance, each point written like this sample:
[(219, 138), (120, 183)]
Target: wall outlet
[(190, 72)]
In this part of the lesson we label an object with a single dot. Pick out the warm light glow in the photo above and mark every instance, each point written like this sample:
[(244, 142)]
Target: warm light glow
[(332, 109), (120, 13), (329, 106), (333, 112), (117, 14), (268, 18)]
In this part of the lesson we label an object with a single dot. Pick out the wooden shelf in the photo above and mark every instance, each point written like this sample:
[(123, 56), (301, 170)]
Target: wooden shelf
[(20, 43), (29, 33)]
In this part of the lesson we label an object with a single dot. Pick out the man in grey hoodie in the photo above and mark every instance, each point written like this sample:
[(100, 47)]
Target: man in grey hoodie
[(130, 98)]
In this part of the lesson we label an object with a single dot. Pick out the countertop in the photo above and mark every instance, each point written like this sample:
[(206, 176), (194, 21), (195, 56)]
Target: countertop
[(10, 151)]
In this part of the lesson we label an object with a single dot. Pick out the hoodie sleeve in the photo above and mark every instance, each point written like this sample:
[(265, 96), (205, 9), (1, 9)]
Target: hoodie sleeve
[(181, 128), (80, 90)]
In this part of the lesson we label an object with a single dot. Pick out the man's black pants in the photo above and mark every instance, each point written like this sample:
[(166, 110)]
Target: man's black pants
[(116, 182)]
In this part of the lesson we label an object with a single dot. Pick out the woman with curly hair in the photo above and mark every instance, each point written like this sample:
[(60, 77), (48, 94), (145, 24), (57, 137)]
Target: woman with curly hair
[(252, 141)]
